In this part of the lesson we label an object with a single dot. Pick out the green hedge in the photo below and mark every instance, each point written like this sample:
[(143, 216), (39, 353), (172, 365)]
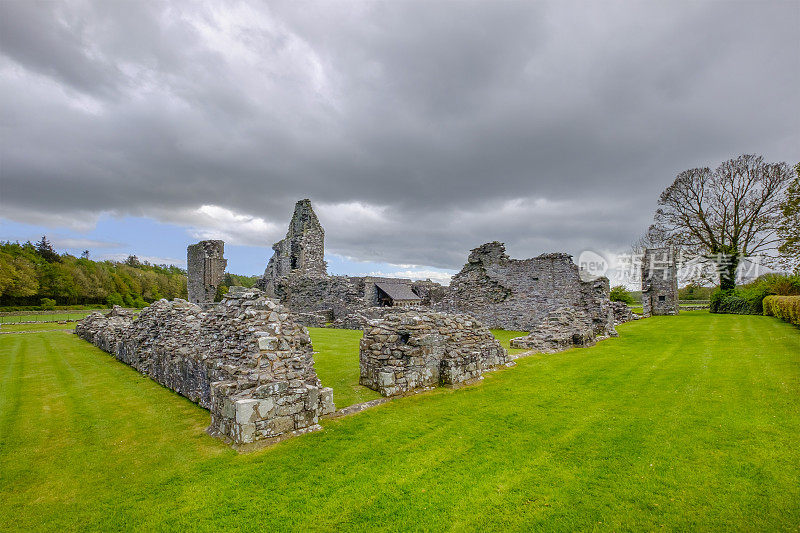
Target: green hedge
[(787, 308), (747, 299)]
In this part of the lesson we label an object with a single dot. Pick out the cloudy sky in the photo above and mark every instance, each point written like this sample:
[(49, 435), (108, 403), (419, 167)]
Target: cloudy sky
[(419, 130)]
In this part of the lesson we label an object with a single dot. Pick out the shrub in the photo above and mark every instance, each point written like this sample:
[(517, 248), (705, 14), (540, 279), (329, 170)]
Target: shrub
[(139, 303), (620, 294), (747, 299), (48, 304), (787, 308)]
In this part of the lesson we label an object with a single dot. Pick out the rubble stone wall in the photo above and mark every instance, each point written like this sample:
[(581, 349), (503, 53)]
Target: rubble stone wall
[(246, 360), (301, 252), (659, 282), (408, 350), (519, 294), (205, 268)]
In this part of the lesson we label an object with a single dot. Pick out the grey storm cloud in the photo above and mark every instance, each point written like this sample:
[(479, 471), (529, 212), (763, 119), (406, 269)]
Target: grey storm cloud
[(420, 129)]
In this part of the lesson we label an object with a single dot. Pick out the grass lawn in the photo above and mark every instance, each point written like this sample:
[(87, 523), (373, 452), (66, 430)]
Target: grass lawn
[(48, 317), (336, 363), (505, 336), (687, 422), (45, 326)]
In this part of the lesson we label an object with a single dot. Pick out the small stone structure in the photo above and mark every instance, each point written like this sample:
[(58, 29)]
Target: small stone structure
[(622, 313), (659, 282), (302, 251), (562, 329), (519, 294), (408, 350), (205, 267), (246, 360)]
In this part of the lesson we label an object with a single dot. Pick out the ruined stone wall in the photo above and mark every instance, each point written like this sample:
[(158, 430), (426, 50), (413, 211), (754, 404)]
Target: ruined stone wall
[(622, 313), (245, 360), (518, 294), (301, 252), (409, 350), (659, 282), (205, 267), (561, 329)]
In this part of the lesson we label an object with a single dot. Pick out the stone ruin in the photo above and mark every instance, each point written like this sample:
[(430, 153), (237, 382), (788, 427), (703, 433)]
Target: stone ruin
[(659, 282), (561, 329), (205, 269), (519, 294), (409, 350), (622, 313), (245, 360), (499, 291), (301, 252)]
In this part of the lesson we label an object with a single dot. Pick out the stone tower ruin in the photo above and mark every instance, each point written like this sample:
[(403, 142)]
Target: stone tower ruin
[(659, 282), (205, 270), (302, 251)]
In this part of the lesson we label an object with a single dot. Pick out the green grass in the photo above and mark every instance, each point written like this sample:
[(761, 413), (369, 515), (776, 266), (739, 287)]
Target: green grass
[(505, 336), (47, 317), (43, 326), (687, 422), (337, 365)]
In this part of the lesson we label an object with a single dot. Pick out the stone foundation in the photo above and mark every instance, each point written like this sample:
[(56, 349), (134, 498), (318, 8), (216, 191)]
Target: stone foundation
[(562, 329), (409, 350), (246, 360)]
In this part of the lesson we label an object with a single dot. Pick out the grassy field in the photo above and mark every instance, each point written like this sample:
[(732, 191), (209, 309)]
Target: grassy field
[(47, 317), (687, 422), (336, 362)]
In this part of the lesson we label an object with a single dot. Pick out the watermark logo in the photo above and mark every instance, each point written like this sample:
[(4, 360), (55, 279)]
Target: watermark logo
[(592, 265)]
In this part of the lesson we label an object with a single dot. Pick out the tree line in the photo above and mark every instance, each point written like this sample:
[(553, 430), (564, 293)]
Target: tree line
[(30, 273), (36, 275)]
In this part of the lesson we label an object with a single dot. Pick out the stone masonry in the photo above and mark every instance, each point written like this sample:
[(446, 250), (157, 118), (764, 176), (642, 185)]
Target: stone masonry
[(562, 329), (205, 270), (518, 294), (302, 251), (408, 350), (659, 282), (246, 360)]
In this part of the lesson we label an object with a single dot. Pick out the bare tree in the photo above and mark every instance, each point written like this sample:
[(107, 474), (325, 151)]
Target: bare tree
[(726, 214), (789, 228)]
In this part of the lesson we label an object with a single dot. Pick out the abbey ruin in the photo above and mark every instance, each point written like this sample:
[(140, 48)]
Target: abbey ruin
[(249, 358), (659, 282), (499, 291), (245, 360), (205, 268)]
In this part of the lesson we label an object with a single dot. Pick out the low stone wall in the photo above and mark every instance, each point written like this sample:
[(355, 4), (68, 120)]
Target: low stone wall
[(406, 351), (622, 313), (562, 329), (246, 360)]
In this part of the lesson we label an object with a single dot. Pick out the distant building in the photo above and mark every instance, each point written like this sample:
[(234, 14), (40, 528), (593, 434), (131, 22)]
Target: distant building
[(659, 282), (205, 268)]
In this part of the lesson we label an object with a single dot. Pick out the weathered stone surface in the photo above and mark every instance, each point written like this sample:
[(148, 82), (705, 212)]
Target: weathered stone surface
[(205, 270), (659, 282), (518, 294), (246, 360), (562, 329), (622, 313), (408, 350), (302, 251)]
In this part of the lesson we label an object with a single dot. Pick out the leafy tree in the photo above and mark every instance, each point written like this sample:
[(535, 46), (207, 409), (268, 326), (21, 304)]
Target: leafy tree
[(620, 294), (48, 304), (724, 214), (789, 227), (115, 298)]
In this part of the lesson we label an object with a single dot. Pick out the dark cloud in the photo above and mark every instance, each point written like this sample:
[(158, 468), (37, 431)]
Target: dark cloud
[(420, 129)]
